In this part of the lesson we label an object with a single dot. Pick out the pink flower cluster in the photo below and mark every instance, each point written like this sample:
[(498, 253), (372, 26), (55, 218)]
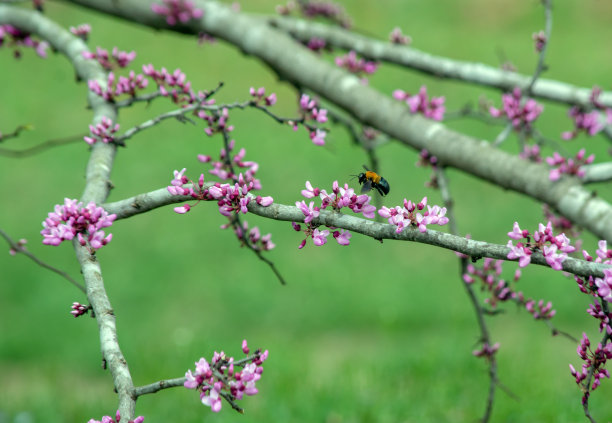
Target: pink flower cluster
[(420, 103), (221, 378), (316, 44), (589, 122), (531, 153), (230, 198), (583, 121), (78, 309), (313, 9), (519, 114), (339, 197), (117, 59), (603, 286), (410, 215), (561, 165), (222, 168), (81, 31), (501, 290), (596, 311), (309, 110), (356, 65), (217, 122), (102, 132), (594, 361), (487, 351), (539, 310), (72, 219), (177, 11), (259, 95), (116, 87), (175, 86), (12, 36), (396, 37), (256, 240), (540, 40), (553, 248), (108, 419)]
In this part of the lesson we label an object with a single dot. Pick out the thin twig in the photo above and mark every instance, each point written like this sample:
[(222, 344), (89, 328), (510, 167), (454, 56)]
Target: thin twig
[(484, 331), (21, 249), (15, 133), (541, 66), (41, 147)]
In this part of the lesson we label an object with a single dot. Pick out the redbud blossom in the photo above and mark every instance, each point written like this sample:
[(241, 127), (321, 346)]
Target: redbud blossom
[(221, 377), (72, 219), (357, 66), (11, 36), (402, 217), (540, 40), (102, 131), (81, 31), (420, 103), (571, 166), (177, 11), (519, 114), (396, 37), (78, 309), (554, 248)]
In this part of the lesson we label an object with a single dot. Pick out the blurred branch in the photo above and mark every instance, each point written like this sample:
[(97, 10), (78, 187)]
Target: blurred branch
[(18, 248), (600, 172), (440, 67), (41, 147)]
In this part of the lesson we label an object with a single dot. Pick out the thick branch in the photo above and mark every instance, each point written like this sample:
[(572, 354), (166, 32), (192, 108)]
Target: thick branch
[(305, 69)]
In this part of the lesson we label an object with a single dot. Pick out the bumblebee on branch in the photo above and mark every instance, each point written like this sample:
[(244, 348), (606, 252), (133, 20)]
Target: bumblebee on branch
[(370, 179)]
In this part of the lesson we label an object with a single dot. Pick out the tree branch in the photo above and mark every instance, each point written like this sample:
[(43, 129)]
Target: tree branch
[(379, 231), (440, 67), (96, 189), (372, 108)]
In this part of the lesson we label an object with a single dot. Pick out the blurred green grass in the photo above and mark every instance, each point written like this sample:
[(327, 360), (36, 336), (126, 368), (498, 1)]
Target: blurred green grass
[(371, 332)]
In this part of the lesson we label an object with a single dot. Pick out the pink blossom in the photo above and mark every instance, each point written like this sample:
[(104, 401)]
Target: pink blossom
[(309, 211), (420, 103), (102, 132), (318, 137), (540, 40), (342, 237), (520, 115), (81, 31), (72, 219), (355, 65), (78, 309), (396, 37), (520, 252), (177, 11), (571, 166), (320, 237)]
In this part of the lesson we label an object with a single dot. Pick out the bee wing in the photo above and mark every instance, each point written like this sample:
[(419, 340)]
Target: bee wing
[(367, 185), (365, 167)]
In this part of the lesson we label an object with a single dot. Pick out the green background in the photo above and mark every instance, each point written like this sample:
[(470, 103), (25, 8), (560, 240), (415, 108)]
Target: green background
[(369, 332)]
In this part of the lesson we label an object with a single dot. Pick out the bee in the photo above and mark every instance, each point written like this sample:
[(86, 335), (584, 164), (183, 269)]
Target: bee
[(370, 179)]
